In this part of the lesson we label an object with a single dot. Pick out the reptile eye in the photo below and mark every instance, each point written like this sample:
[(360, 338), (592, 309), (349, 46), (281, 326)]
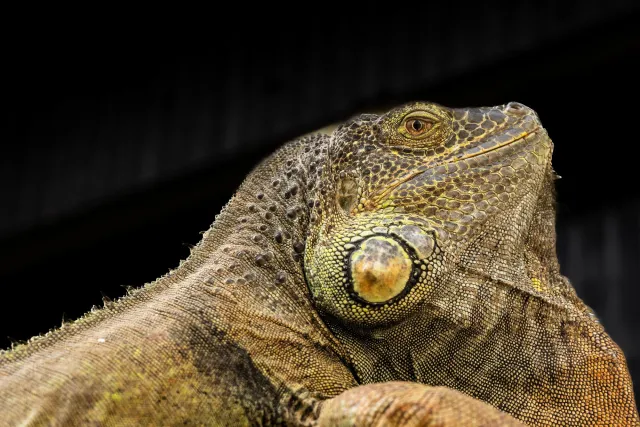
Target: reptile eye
[(418, 126)]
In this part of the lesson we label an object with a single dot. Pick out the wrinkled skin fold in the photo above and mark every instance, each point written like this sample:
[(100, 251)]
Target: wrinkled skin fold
[(400, 271)]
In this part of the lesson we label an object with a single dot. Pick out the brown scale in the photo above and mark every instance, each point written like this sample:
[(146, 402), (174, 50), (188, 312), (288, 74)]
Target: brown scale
[(398, 270)]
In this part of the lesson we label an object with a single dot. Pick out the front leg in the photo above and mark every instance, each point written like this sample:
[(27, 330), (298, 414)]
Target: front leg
[(409, 404)]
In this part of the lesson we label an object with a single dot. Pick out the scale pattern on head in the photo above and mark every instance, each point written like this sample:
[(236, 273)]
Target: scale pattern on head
[(410, 186)]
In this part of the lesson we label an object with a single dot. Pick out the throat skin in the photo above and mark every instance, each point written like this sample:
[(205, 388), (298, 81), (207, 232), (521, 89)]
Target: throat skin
[(483, 266), (534, 339)]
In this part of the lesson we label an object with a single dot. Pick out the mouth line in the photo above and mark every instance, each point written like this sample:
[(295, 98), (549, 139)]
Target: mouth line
[(522, 136), (375, 200)]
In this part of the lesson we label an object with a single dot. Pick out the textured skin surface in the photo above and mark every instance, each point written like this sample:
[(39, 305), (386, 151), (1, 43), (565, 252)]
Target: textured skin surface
[(400, 271)]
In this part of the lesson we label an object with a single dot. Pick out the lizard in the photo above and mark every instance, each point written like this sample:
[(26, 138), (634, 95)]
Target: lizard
[(399, 270)]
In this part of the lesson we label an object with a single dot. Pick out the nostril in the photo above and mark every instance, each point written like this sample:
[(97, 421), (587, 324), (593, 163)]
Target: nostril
[(515, 108)]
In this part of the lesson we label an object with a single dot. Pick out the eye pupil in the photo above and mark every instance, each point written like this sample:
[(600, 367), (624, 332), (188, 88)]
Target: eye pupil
[(416, 125)]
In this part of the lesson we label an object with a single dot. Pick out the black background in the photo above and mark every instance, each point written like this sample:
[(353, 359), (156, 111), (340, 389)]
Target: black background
[(121, 147)]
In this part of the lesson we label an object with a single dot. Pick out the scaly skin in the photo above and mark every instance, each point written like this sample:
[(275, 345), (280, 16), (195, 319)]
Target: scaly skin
[(399, 271)]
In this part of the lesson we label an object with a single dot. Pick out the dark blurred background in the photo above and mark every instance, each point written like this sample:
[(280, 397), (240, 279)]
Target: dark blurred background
[(122, 149)]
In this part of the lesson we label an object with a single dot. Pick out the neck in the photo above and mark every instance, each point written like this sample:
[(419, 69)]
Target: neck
[(254, 243)]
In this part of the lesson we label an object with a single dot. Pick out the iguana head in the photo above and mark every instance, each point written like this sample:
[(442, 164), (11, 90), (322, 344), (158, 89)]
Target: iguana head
[(435, 233), (419, 199), (431, 257)]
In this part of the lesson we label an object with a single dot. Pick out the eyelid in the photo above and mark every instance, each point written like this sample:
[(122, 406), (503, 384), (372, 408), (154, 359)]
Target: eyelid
[(422, 115), (416, 117)]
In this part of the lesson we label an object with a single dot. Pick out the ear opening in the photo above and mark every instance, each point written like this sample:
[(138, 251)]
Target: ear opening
[(347, 197)]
